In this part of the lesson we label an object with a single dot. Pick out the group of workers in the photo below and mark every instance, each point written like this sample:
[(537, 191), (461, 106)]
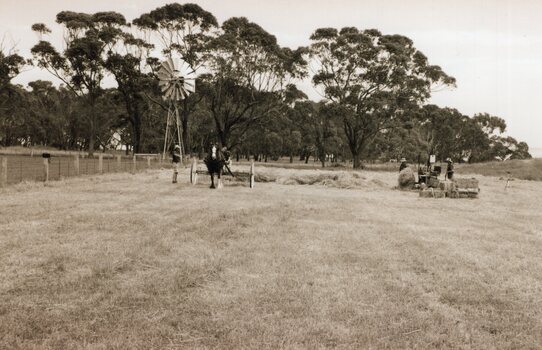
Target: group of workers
[(449, 167)]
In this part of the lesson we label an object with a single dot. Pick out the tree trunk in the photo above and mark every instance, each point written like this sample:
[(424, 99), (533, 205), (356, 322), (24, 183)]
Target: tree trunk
[(291, 157), (137, 138), (132, 109), (357, 160), (135, 118), (92, 128), (91, 138)]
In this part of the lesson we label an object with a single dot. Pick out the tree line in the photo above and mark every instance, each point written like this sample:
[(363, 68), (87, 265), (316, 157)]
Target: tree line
[(374, 86)]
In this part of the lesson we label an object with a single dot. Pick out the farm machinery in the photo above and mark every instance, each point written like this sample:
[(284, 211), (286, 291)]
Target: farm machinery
[(436, 180)]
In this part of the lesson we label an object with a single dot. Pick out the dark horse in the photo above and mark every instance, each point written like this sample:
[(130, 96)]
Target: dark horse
[(216, 160)]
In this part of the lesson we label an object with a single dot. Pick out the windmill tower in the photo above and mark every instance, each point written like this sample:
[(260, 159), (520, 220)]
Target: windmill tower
[(177, 80)]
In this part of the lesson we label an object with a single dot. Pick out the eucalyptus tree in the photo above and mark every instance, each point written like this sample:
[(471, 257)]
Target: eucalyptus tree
[(134, 81), (45, 121), (183, 29), (374, 78), (12, 98), (444, 131), (11, 65), (319, 122), (88, 39), (13, 101), (249, 76), (497, 146), (490, 124)]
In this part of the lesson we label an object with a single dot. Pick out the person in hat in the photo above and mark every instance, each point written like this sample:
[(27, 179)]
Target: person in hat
[(449, 169), (176, 159), (403, 164)]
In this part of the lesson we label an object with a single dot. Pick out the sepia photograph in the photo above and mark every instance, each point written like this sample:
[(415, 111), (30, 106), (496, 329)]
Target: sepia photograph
[(251, 174)]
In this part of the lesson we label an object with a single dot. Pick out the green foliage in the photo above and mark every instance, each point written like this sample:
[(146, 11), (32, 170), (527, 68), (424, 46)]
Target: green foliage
[(250, 75), (10, 67), (89, 39), (183, 29), (374, 78), (40, 28)]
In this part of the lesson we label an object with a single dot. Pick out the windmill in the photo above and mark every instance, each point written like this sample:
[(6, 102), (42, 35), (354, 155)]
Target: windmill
[(177, 80)]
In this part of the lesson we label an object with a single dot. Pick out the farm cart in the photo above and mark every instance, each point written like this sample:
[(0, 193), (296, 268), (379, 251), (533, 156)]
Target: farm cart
[(194, 172)]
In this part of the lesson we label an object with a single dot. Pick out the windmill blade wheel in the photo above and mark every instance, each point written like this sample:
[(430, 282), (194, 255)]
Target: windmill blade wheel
[(177, 80)]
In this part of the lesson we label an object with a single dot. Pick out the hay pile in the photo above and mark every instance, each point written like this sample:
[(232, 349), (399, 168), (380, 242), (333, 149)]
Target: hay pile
[(457, 188), (447, 186), (465, 188), (406, 179), (336, 179), (466, 183), (432, 193)]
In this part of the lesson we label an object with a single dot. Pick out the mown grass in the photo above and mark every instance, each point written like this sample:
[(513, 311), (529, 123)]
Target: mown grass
[(134, 262)]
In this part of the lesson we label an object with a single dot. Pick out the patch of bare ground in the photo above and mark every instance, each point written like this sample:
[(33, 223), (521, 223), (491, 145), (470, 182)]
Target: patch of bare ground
[(135, 262)]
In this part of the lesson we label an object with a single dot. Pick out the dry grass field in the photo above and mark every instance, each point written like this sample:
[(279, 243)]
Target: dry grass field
[(309, 259)]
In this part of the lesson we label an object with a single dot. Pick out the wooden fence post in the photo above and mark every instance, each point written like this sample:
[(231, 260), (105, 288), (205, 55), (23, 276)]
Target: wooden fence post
[(119, 163), (134, 167), (46, 168), (100, 163), (76, 164), (4, 172)]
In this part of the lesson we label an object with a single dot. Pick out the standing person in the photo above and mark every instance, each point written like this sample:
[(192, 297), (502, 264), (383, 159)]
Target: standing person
[(449, 169), (403, 164), (176, 159)]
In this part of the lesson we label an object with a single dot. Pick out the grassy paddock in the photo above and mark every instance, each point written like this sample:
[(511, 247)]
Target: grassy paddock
[(133, 262), (530, 169)]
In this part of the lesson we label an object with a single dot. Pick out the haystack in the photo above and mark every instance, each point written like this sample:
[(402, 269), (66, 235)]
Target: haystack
[(465, 188), (447, 186), (406, 179), (432, 193), (466, 183)]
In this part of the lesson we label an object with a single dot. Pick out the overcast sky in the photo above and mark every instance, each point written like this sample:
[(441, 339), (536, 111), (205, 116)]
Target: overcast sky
[(493, 48)]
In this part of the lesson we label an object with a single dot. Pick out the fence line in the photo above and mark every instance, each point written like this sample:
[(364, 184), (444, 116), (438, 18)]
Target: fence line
[(18, 168)]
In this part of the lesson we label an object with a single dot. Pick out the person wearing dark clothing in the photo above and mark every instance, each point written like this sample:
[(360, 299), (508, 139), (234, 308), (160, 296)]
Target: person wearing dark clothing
[(449, 169), (403, 164), (176, 159)]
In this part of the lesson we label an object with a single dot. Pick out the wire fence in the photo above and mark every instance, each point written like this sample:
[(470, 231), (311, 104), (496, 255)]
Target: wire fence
[(19, 168)]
